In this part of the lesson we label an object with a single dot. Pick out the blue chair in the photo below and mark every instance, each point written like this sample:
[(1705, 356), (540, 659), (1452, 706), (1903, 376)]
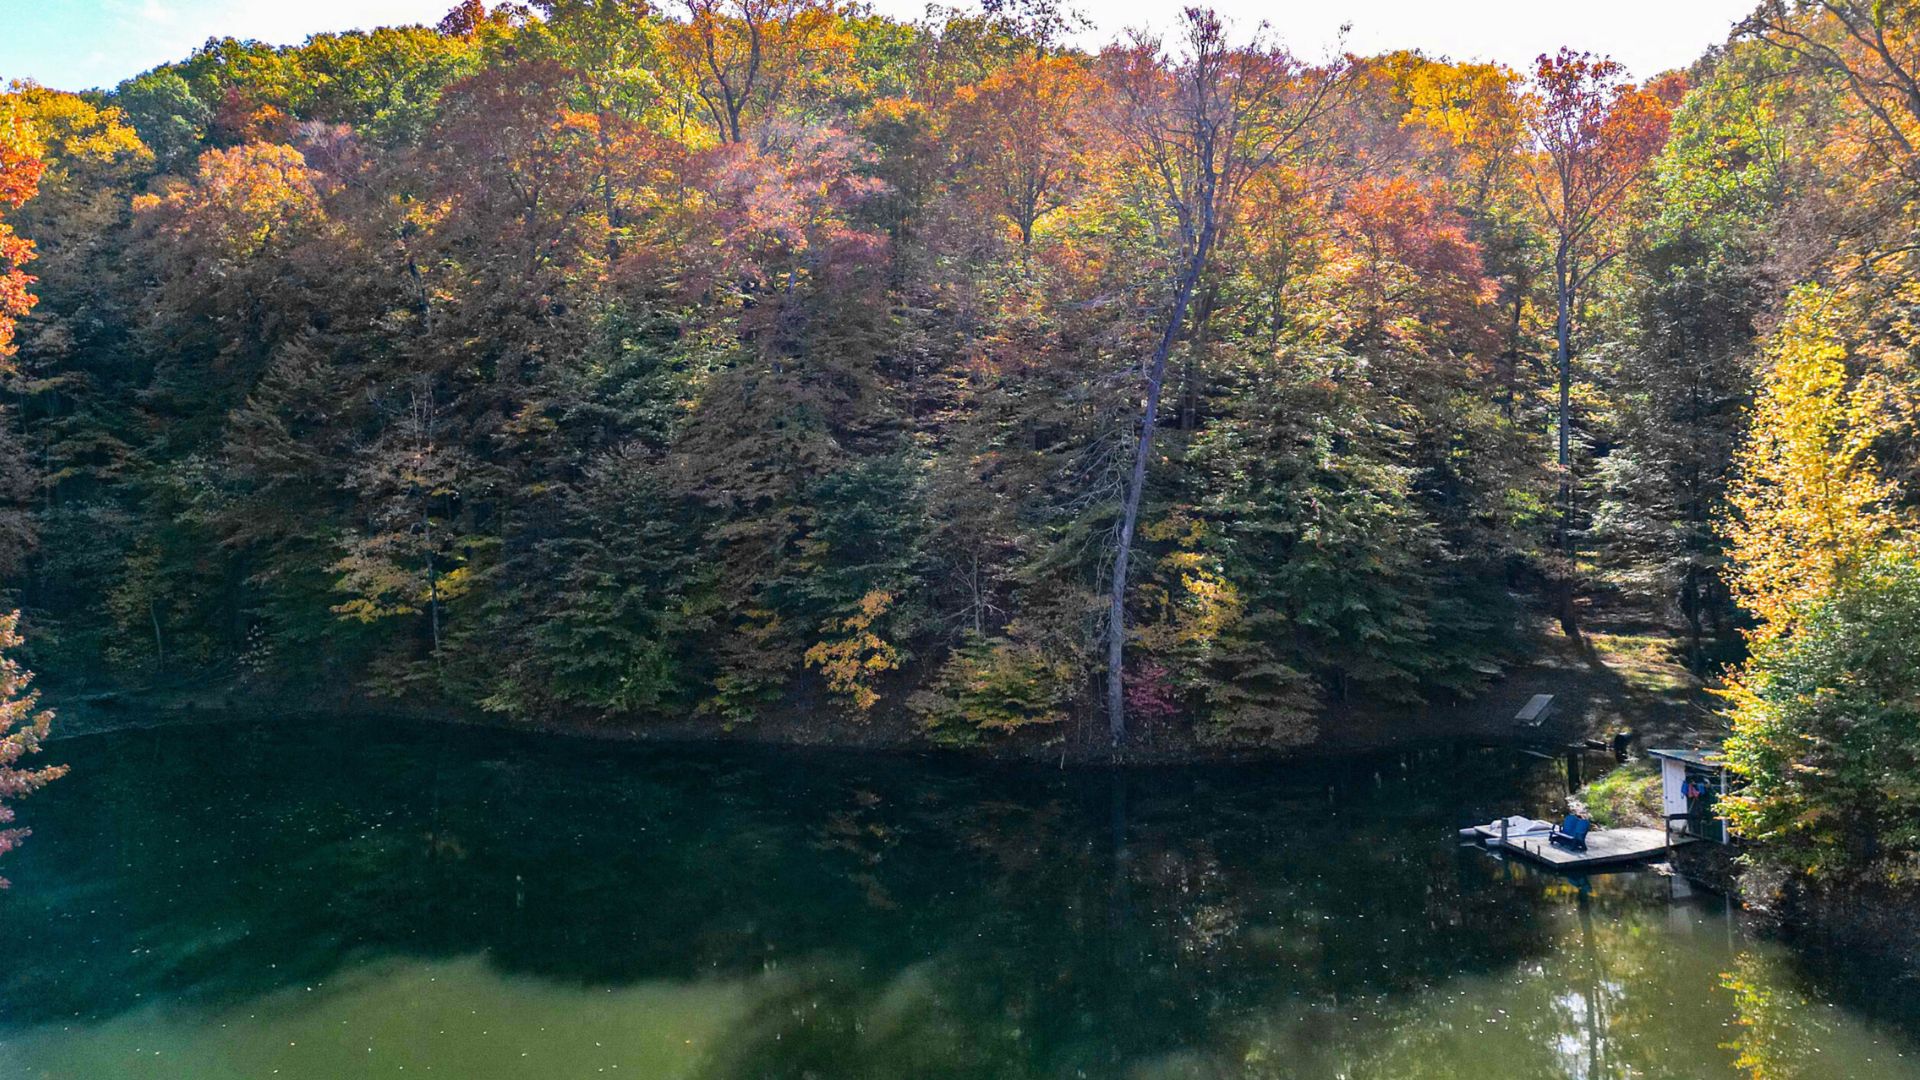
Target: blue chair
[(1572, 833)]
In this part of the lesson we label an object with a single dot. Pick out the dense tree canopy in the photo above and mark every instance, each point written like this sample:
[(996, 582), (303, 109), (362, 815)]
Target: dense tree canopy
[(593, 359)]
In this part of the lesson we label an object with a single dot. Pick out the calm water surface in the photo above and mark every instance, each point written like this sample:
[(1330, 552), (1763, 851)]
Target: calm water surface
[(375, 900)]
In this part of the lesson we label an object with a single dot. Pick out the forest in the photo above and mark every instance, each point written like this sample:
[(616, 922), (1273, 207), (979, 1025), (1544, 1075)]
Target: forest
[(596, 360)]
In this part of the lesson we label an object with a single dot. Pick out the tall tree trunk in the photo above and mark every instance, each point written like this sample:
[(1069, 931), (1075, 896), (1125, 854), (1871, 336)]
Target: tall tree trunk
[(433, 573), (1204, 302), (1690, 607), (1563, 359), (159, 642), (609, 204), (1136, 482), (1510, 376), (1563, 355)]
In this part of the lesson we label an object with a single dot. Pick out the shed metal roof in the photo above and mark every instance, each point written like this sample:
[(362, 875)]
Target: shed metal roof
[(1691, 757)]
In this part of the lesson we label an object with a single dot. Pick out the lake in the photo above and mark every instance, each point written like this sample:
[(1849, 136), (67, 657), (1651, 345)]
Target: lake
[(367, 899)]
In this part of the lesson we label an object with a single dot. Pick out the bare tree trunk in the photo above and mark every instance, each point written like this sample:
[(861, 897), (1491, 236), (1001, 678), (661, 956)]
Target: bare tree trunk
[(425, 422), (433, 573), (1510, 376), (159, 642), (1563, 354), (1690, 602), (1136, 483), (1563, 358), (977, 597)]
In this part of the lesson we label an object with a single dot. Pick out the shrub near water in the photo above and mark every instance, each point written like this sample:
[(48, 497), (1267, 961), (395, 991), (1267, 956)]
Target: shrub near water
[(1827, 733), (23, 726), (1629, 795)]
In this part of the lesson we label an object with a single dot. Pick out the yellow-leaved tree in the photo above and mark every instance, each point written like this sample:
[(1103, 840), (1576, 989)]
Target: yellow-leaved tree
[(851, 663), (1822, 710), (1813, 503)]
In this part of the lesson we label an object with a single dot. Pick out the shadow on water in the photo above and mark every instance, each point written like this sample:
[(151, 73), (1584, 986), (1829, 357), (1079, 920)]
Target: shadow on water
[(893, 916)]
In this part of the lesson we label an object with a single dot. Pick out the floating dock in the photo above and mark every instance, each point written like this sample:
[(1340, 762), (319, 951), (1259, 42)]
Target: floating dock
[(1605, 847)]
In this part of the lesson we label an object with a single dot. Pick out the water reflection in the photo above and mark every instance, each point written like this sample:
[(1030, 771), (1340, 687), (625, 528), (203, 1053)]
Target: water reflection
[(367, 900)]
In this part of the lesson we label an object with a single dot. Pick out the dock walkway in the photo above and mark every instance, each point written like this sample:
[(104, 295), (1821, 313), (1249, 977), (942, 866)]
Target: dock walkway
[(1605, 847)]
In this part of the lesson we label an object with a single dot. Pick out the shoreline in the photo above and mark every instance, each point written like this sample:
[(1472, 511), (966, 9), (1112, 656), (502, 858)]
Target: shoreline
[(1813, 920), (1596, 692)]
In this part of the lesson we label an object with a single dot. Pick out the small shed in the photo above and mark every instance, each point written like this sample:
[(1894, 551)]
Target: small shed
[(1692, 783)]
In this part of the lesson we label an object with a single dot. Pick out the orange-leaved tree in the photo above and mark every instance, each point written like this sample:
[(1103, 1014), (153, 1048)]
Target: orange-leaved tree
[(23, 726), (1869, 50), (1022, 134), (21, 164), (746, 59)]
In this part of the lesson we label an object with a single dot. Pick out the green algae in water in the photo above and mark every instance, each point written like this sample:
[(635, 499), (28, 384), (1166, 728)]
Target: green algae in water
[(362, 899)]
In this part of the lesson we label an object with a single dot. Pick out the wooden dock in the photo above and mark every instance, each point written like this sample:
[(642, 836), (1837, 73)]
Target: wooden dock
[(1605, 847)]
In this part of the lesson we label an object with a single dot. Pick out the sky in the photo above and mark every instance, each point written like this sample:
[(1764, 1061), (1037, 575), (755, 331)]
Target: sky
[(77, 44)]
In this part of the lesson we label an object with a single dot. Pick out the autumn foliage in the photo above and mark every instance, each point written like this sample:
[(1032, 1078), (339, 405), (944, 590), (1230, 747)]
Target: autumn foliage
[(599, 359), (21, 165), (1814, 504), (749, 357), (23, 727)]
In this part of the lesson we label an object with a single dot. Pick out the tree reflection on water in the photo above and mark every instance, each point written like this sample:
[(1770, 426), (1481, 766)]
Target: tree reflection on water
[(733, 913)]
